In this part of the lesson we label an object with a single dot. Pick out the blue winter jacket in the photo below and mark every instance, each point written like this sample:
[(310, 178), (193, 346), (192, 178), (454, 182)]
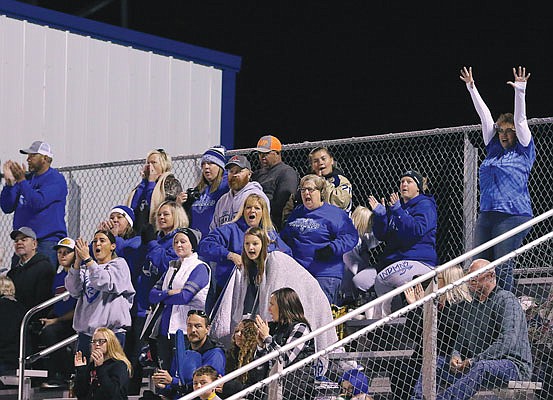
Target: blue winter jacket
[(230, 238), (409, 230), (39, 203), (309, 230)]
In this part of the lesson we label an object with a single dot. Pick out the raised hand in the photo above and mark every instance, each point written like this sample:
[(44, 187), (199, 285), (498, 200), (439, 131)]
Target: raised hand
[(394, 198), (80, 360), (262, 330), (97, 357), (466, 76), (18, 171), (81, 248), (373, 202), (520, 75)]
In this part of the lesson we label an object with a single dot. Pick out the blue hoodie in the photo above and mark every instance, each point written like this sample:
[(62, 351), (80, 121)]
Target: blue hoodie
[(309, 230), (39, 203), (134, 253), (409, 230), (230, 238), (201, 211)]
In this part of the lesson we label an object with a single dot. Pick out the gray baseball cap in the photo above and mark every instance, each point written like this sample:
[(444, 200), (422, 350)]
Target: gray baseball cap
[(25, 231), (38, 147)]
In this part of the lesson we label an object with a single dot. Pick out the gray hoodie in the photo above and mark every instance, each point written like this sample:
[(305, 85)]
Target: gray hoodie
[(104, 296), (230, 203)]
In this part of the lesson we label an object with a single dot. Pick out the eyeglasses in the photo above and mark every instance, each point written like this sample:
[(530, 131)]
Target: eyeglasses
[(307, 190), (98, 342), (507, 131)]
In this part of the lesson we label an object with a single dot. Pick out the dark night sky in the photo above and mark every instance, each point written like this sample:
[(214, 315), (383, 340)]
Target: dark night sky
[(324, 70)]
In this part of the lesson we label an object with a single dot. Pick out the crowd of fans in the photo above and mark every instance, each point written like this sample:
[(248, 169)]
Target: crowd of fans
[(220, 274)]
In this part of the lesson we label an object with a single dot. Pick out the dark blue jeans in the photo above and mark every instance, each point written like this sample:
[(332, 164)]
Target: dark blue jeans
[(330, 287), (491, 224)]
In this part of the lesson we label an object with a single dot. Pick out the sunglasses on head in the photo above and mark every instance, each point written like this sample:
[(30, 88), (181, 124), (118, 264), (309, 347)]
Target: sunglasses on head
[(201, 313)]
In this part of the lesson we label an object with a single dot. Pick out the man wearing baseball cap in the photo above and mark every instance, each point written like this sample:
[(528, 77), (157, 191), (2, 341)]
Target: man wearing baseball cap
[(239, 175), (278, 180), (37, 198)]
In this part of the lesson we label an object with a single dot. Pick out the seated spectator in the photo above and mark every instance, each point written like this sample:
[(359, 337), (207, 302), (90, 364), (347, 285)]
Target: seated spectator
[(105, 374), (103, 289), (200, 201), (339, 189), (13, 313), (249, 289), (319, 234), (158, 184), (358, 259), (242, 349), (58, 325), (201, 350), (32, 273), (493, 348), (224, 244), (288, 324), (239, 174), (37, 199), (408, 226), (203, 376), (355, 386), (278, 179), (181, 288)]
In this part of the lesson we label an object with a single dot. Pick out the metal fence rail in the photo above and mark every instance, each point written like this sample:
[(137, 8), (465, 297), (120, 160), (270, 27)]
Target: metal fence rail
[(448, 157)]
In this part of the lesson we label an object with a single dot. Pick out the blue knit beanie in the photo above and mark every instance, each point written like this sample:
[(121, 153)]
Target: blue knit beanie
[(215, 155), (127, 212), (358, 380)]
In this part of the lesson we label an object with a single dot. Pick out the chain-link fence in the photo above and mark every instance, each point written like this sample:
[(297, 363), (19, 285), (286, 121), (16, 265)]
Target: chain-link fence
[(448, 157), (460, 338)]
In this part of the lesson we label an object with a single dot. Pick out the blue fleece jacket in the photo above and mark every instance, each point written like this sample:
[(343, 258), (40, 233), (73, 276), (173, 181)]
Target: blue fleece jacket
[(39, 203), (134, 253), (159, 253), (230, 238), (201, 211), (307, 231), (409, 230)]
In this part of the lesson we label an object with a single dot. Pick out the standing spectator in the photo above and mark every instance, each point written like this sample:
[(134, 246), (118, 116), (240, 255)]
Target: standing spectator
[(239, 174), (103, 290), (408, 226), (249, 289), (224, 244), (510, 154), (200, 201), (12, 313), (493, 348), (157, 185), (106, 374), (339, 190), (33, 273), (181, 288), (58, 325), (120, 223), (288, 324), (279, 180), (37, 199), (319, 234)]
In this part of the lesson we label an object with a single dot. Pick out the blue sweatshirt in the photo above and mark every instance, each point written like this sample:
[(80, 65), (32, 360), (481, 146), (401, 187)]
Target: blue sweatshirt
[(134, 253), (202, 210), (309, 230), (230, 238), (39, 203), (409, 230), (504, 178), (159, 253)]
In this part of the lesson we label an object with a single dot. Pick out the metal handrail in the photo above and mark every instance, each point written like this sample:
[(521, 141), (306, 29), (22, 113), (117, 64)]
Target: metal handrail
[(24, 323), (43, 353)]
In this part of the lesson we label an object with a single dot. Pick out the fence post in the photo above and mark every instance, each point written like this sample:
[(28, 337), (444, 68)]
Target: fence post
[(470, 190), (73, 208), (429, 344)]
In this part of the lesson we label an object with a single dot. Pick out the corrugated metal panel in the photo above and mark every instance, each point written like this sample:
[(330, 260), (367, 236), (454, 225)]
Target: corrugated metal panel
[(95, 101)]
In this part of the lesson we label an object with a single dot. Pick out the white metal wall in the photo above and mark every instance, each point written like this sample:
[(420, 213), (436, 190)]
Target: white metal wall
[(95, 101)]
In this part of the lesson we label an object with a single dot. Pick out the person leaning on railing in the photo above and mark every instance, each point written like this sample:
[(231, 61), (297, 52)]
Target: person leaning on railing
[(510, 154)]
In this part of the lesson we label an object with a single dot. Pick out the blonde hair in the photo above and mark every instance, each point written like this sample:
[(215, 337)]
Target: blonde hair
[(320, 184), (7, 287), (458, 293), (265, 222), (113, 347), (180, 219), (362, 218), (164, 159), (203, 183)]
